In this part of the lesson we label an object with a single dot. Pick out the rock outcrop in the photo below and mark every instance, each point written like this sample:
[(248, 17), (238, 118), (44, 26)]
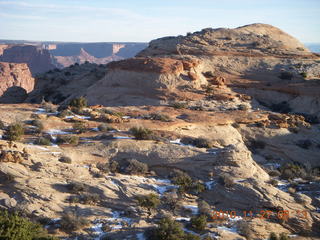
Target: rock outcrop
[(38, 60), (15, 75)]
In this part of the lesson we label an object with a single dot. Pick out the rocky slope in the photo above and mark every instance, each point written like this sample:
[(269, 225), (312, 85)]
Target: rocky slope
[(15, 78)]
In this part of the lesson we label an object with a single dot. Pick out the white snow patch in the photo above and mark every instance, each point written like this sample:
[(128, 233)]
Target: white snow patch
[(57, 132), (39, 147), (231, 229), (0, 136), (95, 129), (193, 208), (126, 117), (183, 219), (122, 137), (210, 184)]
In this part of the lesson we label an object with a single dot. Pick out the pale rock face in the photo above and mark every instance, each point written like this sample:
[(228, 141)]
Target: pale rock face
[(15, 75)]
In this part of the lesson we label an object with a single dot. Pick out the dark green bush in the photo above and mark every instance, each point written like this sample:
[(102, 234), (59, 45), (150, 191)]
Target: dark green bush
[(79, 127), (15, 227), (37, 123), (198, 223), (291, 171), (67, 139), (77, 187), (111, 166), (205, 209), (273, 236), (169, 229), (179, 105), (78, 103), (15, 132), (2, 126), (65, 159), (72, 222), (43, 141), (226, 180), (150, 201), (159, 117), (141, 133), (183, 180), (304, 74), (198, 142), (135, 167), (104, 128), (85, 198)]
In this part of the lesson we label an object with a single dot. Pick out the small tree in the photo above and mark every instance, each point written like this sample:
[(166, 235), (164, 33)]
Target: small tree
[(198, 223), (141, 133), (78, 103), (15, 132), (150, 201)]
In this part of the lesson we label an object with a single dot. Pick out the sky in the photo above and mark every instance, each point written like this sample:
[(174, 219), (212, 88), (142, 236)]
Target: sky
[(144, 20)]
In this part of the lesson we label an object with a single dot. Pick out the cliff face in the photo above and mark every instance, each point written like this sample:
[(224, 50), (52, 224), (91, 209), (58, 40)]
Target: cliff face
[(66, 54), (38, 60), (13, 75)]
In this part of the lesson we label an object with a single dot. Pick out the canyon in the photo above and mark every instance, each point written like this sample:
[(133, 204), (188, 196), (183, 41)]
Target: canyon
[(220, 120)]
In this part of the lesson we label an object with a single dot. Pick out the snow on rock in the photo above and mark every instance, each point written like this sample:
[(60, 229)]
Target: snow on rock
[(193, 208), (210, 184), (231, 229), (57, 132)]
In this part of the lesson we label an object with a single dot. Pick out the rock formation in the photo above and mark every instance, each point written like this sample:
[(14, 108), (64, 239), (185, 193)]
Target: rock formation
[(38, 60), (15, 75)]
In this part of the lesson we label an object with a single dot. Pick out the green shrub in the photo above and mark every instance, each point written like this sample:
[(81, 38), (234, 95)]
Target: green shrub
[(227, 181), (77, 187), (2, 126), (72, 222), (273, 236), (111, 166), (85, 198), (197, 187), (159, 117), (141, 133), (198, 223), (79, 127), (198, 142), (135, 167), (78, 103), (283, 236), (67, 139), (304, 74), (15, 227), (64, 113), (169, 229), (43, 141), (15, 132), (65, 159), (204, 209), (150, 201), (104, 128), (179, 105), (291, 171), (183, 180), (37, 123)]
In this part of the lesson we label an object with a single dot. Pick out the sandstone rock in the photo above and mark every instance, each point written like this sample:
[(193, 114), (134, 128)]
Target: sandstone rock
[(15, 75), (37, 59)]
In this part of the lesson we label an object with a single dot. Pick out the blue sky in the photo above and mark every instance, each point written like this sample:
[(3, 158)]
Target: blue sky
[(144, 20)]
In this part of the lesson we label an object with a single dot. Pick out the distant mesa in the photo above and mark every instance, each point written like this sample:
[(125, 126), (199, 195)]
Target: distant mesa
[(42, 57)]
